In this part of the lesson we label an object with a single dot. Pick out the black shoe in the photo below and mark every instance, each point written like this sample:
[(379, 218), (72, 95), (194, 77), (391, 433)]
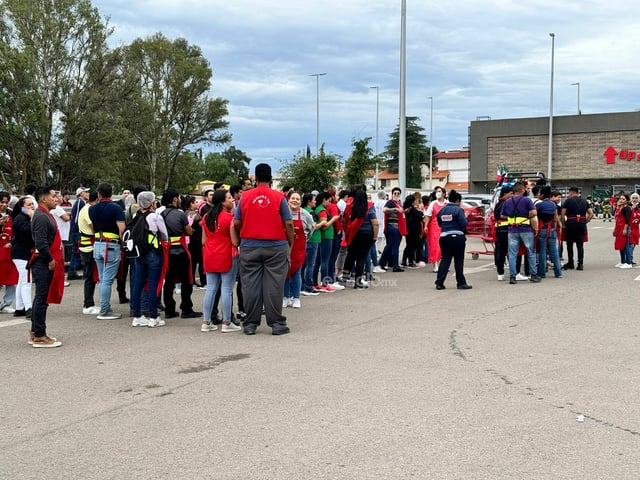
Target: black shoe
[(240, 316), (123, 300), (191, 315), (512, 280), (19, 313), (74, 277), (170, 315), (160, 307), (28, 314), (580, 267), (567, 266), (216, 320), (398, 269), (534, 279), (249, 330), (280, 330), (464, 287), (440, 287), (412, 265)]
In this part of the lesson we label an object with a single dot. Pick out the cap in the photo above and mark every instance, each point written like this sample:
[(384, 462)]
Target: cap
[(79, 190)]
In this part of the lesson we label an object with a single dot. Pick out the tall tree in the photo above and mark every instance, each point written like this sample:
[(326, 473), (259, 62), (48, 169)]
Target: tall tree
[(417, 151), (360, 162), (172, 110), (309, 172), (238, 164), (52, 41)]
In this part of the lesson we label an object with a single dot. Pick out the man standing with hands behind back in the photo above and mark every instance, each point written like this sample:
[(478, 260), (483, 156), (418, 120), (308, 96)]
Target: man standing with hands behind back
[(264, 222)]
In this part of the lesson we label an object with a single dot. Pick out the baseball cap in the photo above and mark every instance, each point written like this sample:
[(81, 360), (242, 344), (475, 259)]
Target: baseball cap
[(79, 190)]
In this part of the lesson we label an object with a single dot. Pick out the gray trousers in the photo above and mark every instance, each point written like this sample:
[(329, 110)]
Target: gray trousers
[(263, 271)]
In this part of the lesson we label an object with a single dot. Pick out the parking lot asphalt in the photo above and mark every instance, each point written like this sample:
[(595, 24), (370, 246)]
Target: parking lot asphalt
[(526, 381)]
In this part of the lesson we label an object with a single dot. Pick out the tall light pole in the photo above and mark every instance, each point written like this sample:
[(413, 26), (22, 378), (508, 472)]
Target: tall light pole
[(578, 84), (377, 125), (550, 157), (402, 134), (431, 147), (317, 75)]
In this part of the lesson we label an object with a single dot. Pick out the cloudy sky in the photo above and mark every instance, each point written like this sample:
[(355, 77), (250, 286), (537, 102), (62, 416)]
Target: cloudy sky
[(476, 59)]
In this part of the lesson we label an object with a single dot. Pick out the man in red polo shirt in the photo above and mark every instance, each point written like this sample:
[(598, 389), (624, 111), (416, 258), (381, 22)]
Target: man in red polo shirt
[(263, 220)]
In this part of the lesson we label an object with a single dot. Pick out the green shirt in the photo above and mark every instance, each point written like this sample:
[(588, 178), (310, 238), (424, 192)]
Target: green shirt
[(315, 236), (328, 233)]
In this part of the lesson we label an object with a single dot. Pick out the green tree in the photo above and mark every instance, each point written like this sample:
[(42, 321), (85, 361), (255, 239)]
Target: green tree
[(417, 151), (172, 109), (360, 162), (238, 164), (308, 172), (50, 42)]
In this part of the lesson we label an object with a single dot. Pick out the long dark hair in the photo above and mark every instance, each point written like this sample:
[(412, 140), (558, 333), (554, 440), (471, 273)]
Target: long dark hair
[(360, 206), (211, 218)]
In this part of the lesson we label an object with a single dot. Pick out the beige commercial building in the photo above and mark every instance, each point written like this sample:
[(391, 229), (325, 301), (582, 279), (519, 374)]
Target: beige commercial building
[(598, 153)]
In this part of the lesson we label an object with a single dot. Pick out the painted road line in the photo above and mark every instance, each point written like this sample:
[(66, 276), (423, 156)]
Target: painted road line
[(10, 323)]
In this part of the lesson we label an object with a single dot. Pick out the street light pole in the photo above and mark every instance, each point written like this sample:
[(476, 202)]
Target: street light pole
[(317, 75), (402, 133), (578, 84), (431, 147), (377, 125), (550, 156)]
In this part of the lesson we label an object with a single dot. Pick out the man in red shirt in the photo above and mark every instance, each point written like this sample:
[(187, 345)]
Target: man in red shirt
[(263, 221)]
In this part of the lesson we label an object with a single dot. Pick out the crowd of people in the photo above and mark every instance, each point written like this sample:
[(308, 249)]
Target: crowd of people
[(272, 246)]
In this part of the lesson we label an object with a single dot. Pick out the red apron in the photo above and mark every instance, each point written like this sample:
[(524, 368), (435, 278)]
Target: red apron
[(56, 249), (299, 247), (8, 271)]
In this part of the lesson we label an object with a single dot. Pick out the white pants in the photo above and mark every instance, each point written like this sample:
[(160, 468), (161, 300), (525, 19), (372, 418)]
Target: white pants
[(23, 289)]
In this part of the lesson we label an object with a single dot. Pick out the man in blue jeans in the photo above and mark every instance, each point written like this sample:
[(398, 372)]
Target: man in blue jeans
[(108, 224), (519, 212)]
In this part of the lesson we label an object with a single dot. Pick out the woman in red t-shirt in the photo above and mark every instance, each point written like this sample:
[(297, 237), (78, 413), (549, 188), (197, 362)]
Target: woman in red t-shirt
[(220, 259)]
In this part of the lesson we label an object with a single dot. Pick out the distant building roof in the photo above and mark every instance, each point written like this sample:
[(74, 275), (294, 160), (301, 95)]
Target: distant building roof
[(457, 186), (452, 155), (387, 175)]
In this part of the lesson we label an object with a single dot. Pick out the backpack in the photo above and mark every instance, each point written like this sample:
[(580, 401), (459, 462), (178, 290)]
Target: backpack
[(135, 239)]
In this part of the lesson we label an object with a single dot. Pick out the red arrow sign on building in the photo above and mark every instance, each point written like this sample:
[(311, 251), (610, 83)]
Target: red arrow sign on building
[(610, 153)]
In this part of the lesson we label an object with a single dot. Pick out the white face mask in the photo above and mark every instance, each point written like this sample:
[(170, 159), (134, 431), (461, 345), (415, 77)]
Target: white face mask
[(438, 195)]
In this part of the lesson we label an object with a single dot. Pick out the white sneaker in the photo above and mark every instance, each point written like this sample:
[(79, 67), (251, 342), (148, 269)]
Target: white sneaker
[(379, 269), (626, 265), (208, 327), (230, 327), (337, 286), (109, 315), (522, 278), (421, 264), (141, 321), (618, 265), (500, 278), (285, 302), (296, 303), (156, 322), (95, 310), (7, 309)]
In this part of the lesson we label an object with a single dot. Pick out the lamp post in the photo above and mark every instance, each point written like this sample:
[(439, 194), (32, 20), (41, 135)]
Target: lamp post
[(402, 133), (550, 156), (578, 84), (431, 147), (377, 125), (317, 75)]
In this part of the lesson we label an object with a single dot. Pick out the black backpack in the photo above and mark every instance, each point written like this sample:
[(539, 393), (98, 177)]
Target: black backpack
[(135, 239)]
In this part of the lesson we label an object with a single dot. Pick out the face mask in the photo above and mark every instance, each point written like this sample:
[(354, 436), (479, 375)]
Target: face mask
[(26, 210), (438, 195)]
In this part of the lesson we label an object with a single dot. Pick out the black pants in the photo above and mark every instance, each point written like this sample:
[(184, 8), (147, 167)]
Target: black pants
[(88, 266), (121, 283), (574, 233), (180, 270), (501, 250), (410, 253), (452, 247), (357, 252), (41, 277)]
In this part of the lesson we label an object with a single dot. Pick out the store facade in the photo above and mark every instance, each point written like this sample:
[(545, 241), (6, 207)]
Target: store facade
[(598, 153)]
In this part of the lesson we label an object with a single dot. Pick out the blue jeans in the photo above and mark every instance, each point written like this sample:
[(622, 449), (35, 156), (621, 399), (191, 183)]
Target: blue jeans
[(146, 269), (9, 295), (335, 251), (393, 246), (626, 254), (548, 240), (312, 252), (228, 280), (514, 244), (373, 255), (107, 257), (74, 261), (292, 285)]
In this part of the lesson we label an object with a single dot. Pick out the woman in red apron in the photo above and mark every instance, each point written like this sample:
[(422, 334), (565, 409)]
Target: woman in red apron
[(431, 227), (293, 283), (622, 232)]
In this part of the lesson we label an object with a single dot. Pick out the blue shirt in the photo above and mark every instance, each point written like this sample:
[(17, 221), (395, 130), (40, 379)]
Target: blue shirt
[(452, 220)]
